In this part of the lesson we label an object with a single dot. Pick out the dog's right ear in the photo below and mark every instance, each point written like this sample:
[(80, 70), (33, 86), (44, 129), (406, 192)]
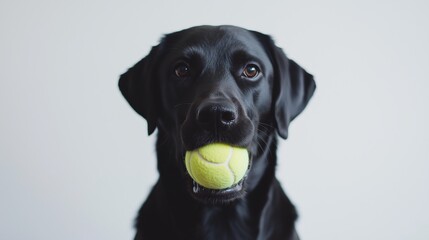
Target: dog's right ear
[(139, 86)]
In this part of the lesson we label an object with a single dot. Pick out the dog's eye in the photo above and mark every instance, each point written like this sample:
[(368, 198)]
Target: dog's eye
[(182, 70), (251, 71)]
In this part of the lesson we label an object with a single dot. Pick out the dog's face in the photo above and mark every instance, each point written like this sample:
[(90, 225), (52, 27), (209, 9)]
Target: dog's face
[(217, 84)]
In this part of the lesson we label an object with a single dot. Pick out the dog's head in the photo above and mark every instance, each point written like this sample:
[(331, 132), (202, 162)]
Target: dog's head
[(218, 84)]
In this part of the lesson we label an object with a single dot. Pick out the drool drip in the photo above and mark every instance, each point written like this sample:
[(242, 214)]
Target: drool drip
[(195, 187)]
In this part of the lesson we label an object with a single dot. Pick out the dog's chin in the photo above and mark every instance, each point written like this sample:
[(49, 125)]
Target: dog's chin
[(215, 196)]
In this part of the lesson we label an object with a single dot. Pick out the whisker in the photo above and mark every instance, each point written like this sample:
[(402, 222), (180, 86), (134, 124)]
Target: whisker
[(266, 126)]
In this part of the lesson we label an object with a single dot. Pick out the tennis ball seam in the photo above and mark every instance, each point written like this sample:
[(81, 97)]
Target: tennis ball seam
[(210, 162), (225, 163), (231, 153)]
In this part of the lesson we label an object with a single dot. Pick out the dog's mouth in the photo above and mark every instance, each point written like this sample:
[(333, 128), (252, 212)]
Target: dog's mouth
[(217, 196)]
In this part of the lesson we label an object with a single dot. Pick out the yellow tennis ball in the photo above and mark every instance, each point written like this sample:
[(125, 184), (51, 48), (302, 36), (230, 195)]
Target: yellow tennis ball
[(217, 165)]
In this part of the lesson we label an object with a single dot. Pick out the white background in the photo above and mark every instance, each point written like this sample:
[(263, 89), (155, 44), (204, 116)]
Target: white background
[(75, 161)]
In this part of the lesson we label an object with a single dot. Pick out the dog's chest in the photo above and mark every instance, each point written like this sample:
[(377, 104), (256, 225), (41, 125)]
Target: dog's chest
[(227, 223)]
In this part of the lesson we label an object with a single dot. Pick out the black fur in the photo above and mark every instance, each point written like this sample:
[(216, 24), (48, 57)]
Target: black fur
[(194, 88)]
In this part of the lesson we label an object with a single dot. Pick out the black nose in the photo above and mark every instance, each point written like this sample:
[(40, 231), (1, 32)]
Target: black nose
[(213, 116)]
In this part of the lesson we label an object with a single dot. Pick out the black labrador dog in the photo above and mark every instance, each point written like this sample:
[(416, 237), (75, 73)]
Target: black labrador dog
[(217, 84)]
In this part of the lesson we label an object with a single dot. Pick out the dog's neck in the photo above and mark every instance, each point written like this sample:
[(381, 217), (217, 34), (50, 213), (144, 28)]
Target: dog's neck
[(238, 220)]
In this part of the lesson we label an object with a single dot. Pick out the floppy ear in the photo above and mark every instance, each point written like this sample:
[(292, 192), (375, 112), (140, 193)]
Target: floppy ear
[(139, 87), (293, 88)]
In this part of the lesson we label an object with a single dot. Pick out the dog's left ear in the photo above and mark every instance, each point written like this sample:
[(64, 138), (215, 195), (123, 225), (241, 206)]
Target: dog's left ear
[(139, 87), (293, 87)]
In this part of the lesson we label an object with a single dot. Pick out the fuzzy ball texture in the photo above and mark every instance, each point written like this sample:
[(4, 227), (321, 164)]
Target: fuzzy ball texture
[(217, 165)]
